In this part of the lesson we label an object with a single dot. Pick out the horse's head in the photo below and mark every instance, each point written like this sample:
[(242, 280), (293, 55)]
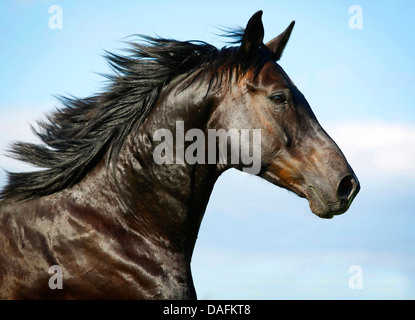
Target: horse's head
[(296, 152)]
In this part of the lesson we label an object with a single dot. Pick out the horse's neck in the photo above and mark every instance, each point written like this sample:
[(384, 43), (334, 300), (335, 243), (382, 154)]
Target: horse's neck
[(168, 200)]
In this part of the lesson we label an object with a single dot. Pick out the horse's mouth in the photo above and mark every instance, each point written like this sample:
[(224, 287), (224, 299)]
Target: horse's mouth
[(321, 205)]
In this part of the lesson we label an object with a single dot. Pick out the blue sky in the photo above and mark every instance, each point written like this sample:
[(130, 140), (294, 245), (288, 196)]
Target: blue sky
[(258, 241)]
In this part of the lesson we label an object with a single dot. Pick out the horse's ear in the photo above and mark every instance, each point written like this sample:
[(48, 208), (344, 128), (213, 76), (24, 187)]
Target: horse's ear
[(253, 35), (277, 45)]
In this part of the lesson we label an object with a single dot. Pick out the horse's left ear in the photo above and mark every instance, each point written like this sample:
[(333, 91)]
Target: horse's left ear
[(253, 36), (277, 45)]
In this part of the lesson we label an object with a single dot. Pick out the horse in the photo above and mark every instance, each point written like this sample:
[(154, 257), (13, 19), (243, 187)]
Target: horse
[(102, 219)]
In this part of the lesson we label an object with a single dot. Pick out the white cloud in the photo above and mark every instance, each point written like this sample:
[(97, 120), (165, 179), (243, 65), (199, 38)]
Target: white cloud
[(377, 148)]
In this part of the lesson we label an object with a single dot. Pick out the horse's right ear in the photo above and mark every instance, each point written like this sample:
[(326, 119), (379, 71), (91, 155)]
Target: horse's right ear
[(253, 36), (277, 45)]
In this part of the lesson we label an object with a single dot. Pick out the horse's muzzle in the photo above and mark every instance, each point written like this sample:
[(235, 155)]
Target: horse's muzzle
[(326, 206)]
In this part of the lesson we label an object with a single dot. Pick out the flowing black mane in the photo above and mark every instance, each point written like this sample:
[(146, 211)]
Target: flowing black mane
[(77, 136)]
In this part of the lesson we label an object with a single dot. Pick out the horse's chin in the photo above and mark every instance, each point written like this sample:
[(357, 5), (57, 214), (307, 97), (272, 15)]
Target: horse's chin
[(321, 208), (321, 212)]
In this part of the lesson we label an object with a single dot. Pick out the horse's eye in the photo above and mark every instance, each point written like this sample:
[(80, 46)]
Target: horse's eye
[(279, 98)]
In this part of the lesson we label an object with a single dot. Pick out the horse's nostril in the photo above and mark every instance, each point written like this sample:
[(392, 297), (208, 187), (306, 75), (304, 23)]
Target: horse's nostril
[(346, 187)]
